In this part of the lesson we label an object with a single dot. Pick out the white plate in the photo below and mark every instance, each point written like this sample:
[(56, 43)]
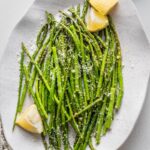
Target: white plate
[(136, 55)]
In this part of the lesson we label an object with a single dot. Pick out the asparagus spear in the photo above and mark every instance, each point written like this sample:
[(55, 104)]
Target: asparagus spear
[(98, 93), (85, 9), (79, 9), (89, 131), (42, 35), (119, 64), (20, 86), (65, 132)]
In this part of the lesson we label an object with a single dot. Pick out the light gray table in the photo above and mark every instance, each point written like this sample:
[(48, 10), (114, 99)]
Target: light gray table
[(12, 11)]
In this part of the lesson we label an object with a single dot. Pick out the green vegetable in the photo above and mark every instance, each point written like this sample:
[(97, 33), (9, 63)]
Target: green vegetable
[(20, 86), (74, 78)]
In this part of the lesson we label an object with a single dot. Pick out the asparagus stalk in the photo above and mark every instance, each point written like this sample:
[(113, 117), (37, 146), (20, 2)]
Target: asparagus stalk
[(119, 64), (89, 131), (20, 86), (100, 122), (65, 132), (78, 9), (98, 93), (41, 36), (85, 9), (120, 78)]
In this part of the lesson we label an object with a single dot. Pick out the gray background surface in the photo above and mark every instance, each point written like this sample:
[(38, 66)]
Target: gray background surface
[(12, 11)]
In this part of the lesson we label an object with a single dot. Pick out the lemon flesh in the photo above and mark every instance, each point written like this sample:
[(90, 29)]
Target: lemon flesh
[(30, 120), (96, 21), (103, 6)]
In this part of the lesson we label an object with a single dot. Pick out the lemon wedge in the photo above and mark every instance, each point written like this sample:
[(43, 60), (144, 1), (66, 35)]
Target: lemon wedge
[(30, 120), (96, 21), (103, 6)]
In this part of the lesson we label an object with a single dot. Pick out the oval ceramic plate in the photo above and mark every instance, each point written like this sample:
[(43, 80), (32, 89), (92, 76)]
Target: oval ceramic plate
[(136, 54)]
